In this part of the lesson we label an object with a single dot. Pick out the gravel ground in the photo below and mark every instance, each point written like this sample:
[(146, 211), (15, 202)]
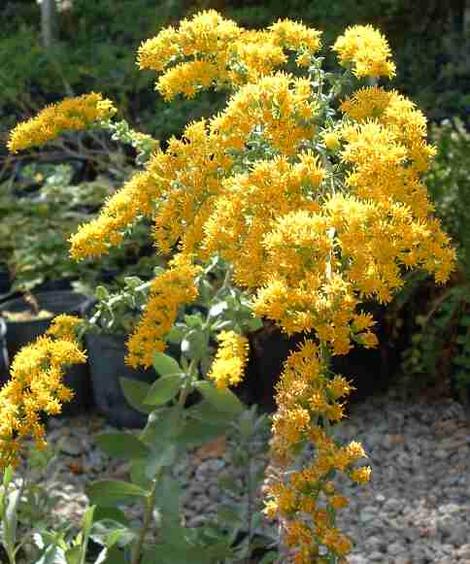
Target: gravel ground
[(416, 509)]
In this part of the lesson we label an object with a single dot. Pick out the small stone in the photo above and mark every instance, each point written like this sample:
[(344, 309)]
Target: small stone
[(376, 557), (374, 544), (71, 445), (404, 460), (357, 559), (213, 492), (411, 534), (441, 454), (459, 534), (463, 552), (449, 509), (393, 506), (368, 514), (198, 520)]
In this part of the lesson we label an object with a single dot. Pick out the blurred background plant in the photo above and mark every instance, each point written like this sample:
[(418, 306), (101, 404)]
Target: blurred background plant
[(38, 213)]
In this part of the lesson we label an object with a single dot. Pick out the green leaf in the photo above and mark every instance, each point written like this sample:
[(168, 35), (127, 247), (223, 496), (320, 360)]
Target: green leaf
[(110, 492), (174, 336), (168, 499), (162, 457), (223, 400), (269, 557), (135, 391), (122, 445), (52, 555), (7, 476), (101, 293), (177, 553), (204, 411), (138, 473), (195, 320), (218, 308), (165, 365), (87, 522), (195, 343), (196, 433), (111, 514), (113, 555), (10, 520), (254, 324), (229, 515), (109, 533), (163, 390), (72, 555)]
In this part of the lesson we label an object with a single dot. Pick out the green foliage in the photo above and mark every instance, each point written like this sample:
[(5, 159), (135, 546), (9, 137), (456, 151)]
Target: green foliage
[(38, 212), (42, 203), (173, 428), (117, 310), (27, 501), (449, 183)]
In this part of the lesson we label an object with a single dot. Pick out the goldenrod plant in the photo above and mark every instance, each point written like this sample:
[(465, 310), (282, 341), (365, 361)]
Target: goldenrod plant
[(309, 186)]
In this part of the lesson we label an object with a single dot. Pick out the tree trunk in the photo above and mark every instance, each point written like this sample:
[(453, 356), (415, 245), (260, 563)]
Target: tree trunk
[(48, 22)]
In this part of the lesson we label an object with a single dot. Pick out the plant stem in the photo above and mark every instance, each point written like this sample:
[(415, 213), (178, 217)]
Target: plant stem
[(149, 505), (250, 503), (150, 500)]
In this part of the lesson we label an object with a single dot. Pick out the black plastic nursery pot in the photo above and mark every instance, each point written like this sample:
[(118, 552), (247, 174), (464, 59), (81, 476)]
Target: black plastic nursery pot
[(106, 355), (20, 333), (55, 285), (5, 280), (369, 370)]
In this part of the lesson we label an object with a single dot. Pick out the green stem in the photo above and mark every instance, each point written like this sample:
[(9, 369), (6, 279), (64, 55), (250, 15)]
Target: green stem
[(150, 500), (149, 505)]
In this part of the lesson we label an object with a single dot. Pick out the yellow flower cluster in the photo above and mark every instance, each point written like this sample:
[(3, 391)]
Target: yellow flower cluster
[(69, 114), (208, 50), (279, 107), (134, 199), (168, 292), (314, 217), (306, 499), (178, 187), (36, 386), (366, 50), (230, 360)]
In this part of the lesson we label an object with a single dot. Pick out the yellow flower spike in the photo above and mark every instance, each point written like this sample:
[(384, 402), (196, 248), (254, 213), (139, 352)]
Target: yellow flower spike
[(187, 79), (168, 291), (157, 52), (135, 198), (35, 386), (366, 50), (230, 359), (69, 114)]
